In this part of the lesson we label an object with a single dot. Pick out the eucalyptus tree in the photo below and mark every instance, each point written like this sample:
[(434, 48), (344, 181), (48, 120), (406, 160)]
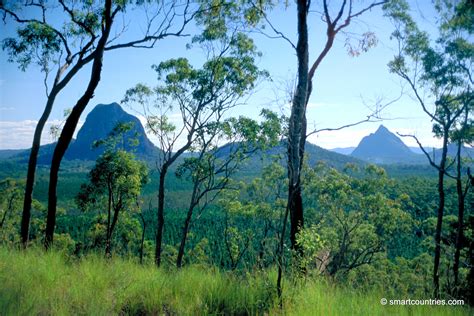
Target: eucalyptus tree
[(210, 171), (200, 97), (62, 38), (463, 134), (115, 182), (439, 74), (337, 17)]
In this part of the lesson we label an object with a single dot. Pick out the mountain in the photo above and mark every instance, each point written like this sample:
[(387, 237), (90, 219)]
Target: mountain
[(313, 153), (466, 152), (343, 150), (99, 123), (9, 153), (417, 149), (384, 147), (452, 151)]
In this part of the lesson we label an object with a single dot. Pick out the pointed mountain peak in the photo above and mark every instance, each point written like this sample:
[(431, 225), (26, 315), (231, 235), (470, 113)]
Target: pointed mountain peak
[(382, 129), (99, 123), (383, 146)]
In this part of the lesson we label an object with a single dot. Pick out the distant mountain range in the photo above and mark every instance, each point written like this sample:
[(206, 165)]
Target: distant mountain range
[(384, 147), (104, 117), (313, 153), (343, 150), (349, 150), (381, 147)]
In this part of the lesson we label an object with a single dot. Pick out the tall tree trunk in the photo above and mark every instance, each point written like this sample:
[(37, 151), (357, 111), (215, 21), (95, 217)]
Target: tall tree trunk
[(108, 245), (280, 257), (142, 241), (32, 161), (179, 260), (8, 209), (71, 124), (296, 128), (460, 232), (187, 221), (439, 223), (160, 215), (161, 196), (109, 215)]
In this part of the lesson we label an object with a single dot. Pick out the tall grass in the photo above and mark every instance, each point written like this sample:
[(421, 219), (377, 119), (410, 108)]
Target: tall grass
[(323, 298), (36, 283)]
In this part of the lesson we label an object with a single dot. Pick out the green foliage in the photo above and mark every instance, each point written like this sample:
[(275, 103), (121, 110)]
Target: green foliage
[(444, 65), (10, 210), (118, 138), (118, 171), (358, 222), (114, 187), (35, 42)]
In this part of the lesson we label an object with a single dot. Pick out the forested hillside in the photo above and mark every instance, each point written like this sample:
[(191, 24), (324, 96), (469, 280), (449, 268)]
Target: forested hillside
[(187, 196)]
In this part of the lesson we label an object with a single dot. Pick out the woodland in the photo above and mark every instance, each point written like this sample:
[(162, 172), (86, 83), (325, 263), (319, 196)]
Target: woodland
[(229, 214)]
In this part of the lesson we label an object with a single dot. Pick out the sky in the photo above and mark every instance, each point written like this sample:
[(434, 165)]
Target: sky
[(345, 87)]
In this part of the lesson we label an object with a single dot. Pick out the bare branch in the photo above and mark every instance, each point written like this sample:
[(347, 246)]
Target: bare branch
[(367, 120), (326, 12), (149, 40), (418, 97), (431, 161), (274, 29), (341, 11), (371, 118), (370, 7)]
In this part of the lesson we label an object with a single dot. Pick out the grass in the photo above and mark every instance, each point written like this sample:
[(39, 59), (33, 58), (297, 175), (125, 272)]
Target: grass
[(37, 283), (322, 298)]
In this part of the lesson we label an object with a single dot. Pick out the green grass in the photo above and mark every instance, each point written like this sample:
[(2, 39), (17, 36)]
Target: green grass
[(37, 283), (321, 298)]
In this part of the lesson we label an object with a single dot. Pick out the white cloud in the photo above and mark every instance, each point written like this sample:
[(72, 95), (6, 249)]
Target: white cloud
[(174, 118), (19, 134)]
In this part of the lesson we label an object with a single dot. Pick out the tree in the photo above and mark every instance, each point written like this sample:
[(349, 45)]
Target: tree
[(211, 170), (361, 227), (462, 135), (115, 183), (202, 96), (63, 39), (336, 23), (442, 69), (346, 12), (10, 200)]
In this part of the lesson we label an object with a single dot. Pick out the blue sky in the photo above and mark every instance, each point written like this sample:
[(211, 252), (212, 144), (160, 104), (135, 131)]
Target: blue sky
[(344, 86)]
